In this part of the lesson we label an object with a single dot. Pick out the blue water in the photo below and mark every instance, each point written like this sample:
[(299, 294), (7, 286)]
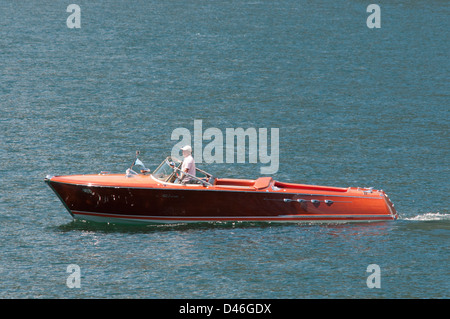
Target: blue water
[(355, 107)]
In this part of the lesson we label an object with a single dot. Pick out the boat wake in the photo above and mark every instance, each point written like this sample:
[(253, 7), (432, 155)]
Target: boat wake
[(430, 217)]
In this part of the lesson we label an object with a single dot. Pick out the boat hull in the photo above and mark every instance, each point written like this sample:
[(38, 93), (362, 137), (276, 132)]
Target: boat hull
[(143, 201)]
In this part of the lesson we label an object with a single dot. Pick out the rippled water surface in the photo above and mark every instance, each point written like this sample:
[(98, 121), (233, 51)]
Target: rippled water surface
[(354, 107)]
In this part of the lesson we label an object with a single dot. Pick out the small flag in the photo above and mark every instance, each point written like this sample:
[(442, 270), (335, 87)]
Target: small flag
[(138, 162)]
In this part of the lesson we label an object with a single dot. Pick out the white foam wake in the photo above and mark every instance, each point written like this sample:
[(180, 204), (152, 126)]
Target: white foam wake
[(430, 216)]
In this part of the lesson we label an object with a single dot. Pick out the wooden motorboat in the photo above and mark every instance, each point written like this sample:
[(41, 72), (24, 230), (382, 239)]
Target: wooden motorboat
[(160, 197)]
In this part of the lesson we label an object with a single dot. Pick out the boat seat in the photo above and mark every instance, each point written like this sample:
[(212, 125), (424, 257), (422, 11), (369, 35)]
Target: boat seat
[(263, 182), (212, 180)]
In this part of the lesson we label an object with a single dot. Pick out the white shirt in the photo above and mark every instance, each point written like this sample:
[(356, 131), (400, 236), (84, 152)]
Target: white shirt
[(188, 163)]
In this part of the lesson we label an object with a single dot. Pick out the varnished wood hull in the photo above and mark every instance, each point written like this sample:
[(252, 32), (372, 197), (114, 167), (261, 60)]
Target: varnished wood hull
[(143, 199)]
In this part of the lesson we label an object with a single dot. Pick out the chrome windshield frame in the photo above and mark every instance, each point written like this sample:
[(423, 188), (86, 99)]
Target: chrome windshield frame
[(175, 165), (167, 161)]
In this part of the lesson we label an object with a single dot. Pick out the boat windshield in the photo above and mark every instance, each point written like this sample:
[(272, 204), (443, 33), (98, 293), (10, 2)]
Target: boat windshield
[(168, 169), (165, 171)]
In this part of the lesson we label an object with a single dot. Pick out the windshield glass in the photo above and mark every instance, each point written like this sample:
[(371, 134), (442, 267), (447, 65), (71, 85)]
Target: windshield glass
[(164, 172), (167, 173)]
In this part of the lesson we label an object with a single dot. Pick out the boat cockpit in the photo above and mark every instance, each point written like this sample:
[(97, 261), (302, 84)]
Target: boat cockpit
[(169, 171)]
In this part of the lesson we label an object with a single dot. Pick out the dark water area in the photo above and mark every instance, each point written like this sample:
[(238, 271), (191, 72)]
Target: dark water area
[(354, 107)]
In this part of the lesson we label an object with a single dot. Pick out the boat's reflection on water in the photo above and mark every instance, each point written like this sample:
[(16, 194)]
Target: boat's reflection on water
[(333, 229)]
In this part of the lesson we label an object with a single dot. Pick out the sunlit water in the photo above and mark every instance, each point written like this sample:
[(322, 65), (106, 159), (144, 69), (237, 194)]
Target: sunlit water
[(355, 107)]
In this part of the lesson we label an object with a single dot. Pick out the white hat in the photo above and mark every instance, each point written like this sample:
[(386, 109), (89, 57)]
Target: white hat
[(187, 148)]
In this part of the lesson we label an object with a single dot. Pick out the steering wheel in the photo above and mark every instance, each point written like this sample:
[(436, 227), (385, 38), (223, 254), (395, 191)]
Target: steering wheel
[(178, 174)]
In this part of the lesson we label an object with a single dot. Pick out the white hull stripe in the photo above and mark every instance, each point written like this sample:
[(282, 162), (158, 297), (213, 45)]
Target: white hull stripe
[(184, 219)]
